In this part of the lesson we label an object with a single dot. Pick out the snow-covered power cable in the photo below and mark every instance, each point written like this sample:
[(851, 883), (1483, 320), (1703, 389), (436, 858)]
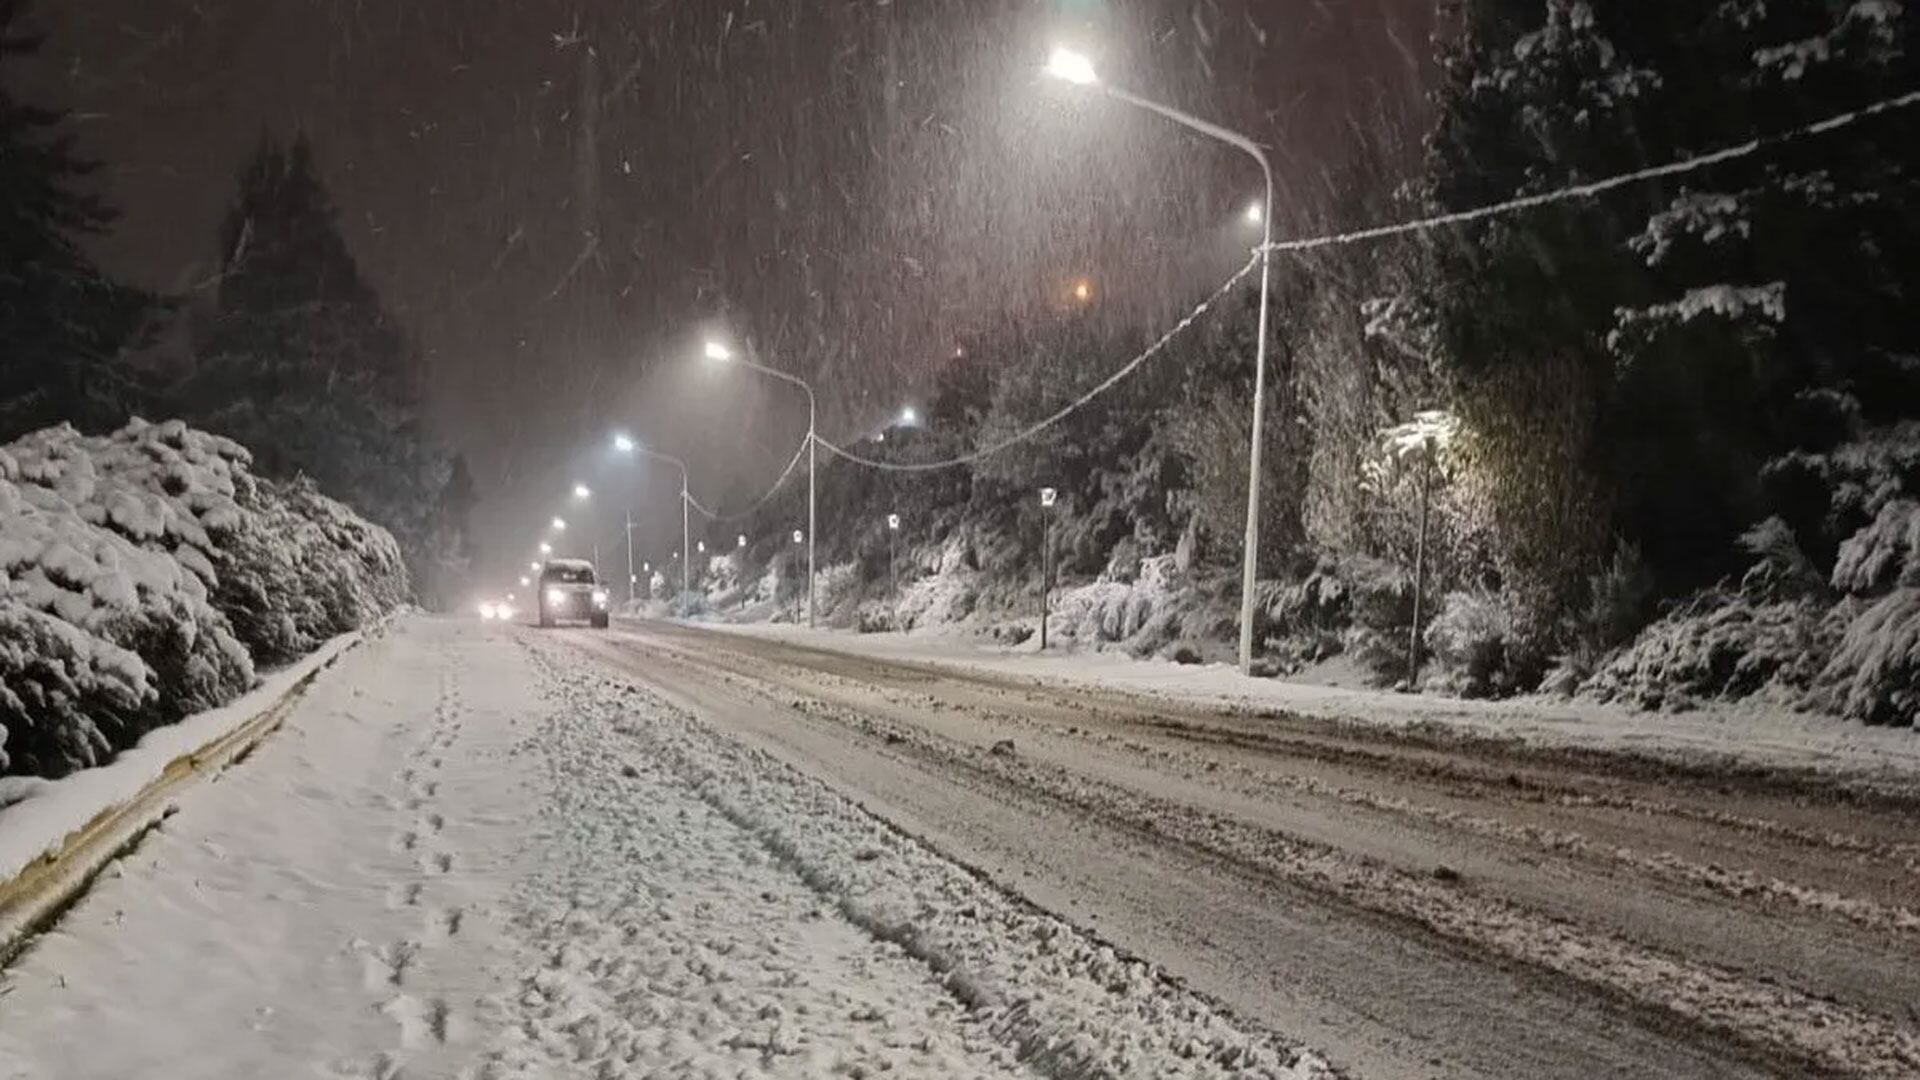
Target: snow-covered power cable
[(1569, 193), (1602, 186), (785, 474), (1071, 407)]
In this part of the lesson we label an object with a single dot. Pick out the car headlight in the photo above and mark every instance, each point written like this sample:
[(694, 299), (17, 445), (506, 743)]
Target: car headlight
[(488, 611), (555, 596), (503, 612), (599, 598)]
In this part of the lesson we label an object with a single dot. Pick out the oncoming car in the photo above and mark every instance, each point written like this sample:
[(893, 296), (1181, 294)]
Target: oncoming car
[(570, 589), (496, 609)]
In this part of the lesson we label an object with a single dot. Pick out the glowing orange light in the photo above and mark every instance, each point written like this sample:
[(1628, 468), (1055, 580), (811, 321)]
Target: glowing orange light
[(1083, 290)]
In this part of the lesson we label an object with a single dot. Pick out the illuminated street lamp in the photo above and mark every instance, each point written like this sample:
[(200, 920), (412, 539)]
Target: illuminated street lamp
[(546, 548), (701, 547), (799, 537), (1078, 69), (721, 354), (1048, 496), (742, 542), (893, 564), (1256, 214), (626, 445), (1074, 67), (909, 416), (526, 582), (559, 525), (534, 566), (582, 492)]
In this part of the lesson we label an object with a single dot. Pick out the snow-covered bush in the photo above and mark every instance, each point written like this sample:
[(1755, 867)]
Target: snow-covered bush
[(1722, 645), (1484, 646), (143, 575), (1885, 553), (1874, 674)]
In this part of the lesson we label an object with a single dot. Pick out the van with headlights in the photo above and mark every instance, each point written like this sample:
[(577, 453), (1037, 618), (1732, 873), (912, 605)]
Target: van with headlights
[(571, 591)]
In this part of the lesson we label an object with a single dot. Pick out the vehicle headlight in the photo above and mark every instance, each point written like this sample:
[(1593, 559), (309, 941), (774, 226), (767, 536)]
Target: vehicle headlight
[(488, 611), (599, 598), (503, 612), (555, 596)]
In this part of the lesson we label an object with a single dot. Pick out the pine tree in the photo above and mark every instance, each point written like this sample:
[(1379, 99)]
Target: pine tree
[(306, 367), (1780, 319), (61, 319)]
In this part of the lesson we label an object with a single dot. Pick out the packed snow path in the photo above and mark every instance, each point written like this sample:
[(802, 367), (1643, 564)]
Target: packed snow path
[(474, 852)]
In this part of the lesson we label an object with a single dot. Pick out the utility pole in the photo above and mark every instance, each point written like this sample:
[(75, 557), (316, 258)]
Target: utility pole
[(1420, 565), (632, 581)]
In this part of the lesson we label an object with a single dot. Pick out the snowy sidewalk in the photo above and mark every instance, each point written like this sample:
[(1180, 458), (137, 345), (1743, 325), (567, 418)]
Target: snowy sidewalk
[(330, 907), (1750, 733), (470, 855)]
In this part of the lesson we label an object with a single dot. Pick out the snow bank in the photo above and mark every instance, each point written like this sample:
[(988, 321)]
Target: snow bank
[(145, 574)]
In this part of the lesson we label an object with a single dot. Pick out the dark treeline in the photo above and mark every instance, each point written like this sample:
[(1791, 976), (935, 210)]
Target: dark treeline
[(288, 350)]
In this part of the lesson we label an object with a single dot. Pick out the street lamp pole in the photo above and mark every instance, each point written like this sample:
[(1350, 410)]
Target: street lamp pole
[(1078, 69), (719, 352), (627, 445), (632, 581)]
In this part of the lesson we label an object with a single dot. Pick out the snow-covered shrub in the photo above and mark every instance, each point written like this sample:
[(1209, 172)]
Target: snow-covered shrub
[(1874, 674), (723, 581), (1885, 553), (837, 592), (1484, 645), (1380, 606), (300, 568), (1721, 645), (143, 575), (62, 691)]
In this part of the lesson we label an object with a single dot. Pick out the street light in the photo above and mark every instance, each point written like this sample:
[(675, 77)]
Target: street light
[(526, 582), (546, 548), (626, 445), (720, 353), (559, 525), (534, 566), (1256, 214), (1048, 496), (909, 416), (582, 491), (893, 562), (742, 542), (1074, 67), (1078, 69)]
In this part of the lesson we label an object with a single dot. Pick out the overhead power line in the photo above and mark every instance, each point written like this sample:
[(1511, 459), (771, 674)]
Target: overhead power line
[(1572, 192)]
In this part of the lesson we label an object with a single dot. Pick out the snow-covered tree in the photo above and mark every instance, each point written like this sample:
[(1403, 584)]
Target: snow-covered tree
[(307, 368)]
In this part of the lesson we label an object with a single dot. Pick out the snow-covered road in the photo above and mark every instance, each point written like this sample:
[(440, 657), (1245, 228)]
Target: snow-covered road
[(479, 852), (1414, 901)]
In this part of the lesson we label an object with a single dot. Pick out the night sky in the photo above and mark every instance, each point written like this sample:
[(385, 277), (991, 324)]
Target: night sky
[(562, 199)]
